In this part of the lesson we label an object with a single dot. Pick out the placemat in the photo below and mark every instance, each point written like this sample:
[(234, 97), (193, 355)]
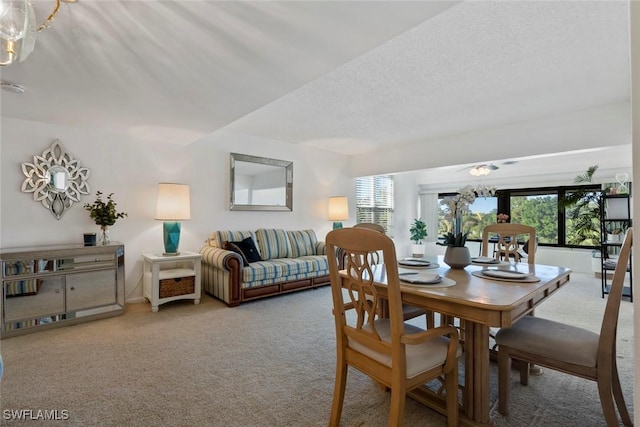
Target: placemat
[(530, 279)]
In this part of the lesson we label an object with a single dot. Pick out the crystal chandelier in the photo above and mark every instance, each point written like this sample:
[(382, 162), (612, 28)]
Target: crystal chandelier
[(18, 29)]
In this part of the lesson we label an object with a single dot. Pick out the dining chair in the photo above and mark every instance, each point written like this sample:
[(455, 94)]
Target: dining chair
[(408, 311), (507, 245), (570, 349), (399, 356), (370, 226)]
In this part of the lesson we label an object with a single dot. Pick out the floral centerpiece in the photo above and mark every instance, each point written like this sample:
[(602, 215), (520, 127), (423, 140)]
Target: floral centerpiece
[(457, 254), (456, 206), (104, 214)]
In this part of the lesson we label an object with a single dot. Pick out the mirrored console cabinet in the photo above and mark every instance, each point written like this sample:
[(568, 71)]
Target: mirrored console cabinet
[(45, 287)]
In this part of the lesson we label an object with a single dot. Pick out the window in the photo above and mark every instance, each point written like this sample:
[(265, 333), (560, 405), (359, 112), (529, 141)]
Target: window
[(542, 208), (538, 209), (374, 201)]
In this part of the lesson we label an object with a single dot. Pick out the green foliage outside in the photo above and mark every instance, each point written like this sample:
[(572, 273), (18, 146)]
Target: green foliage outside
[(540, 212)]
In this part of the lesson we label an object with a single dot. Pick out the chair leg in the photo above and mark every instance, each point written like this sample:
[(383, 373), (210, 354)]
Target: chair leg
[(524, 372), (396, 410), (338, 394), (431, 321), (619, 397), (504, 377), (605, 390), (451, 387)]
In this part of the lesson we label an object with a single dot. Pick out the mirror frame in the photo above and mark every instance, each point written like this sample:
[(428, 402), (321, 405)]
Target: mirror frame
[(45, 190), (288, 170)]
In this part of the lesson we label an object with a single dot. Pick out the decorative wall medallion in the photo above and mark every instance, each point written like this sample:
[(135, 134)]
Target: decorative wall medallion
[(56, 179)]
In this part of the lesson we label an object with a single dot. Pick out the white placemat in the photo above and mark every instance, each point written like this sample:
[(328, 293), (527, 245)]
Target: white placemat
[(487, 261), (512, 279)]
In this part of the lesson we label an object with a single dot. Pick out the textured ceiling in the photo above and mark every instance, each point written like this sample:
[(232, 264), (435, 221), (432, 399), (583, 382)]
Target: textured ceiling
[(351, 77)]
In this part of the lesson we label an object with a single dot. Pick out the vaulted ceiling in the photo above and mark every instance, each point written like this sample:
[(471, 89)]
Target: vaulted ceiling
[(352, 77)]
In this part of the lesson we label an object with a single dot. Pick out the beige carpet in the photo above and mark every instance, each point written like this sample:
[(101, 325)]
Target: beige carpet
[(267, 363)]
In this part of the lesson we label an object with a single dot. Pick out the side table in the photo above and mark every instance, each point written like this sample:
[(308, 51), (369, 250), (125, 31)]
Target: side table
[(170, 278)]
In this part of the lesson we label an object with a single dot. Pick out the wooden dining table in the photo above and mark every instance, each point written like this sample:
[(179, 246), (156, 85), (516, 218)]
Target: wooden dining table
[(479, 303)]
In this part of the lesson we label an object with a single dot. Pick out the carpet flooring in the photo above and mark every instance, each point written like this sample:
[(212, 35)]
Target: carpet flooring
[(266, 363)]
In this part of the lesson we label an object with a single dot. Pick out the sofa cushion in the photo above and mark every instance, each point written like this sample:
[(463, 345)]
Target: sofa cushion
[(281, 268), (273, 243), (303, 242)]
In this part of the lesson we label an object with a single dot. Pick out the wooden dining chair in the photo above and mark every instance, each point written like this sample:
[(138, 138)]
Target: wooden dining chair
[(408, 311), (370, 226), (397, 355), (570, 349), (507, 245)]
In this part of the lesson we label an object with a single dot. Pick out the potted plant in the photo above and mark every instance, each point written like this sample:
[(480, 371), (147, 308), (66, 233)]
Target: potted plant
[(454, 240), (418, 232), (104, 214), (457, 254)]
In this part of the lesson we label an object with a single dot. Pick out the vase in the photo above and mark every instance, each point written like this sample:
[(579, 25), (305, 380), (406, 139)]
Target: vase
[(103, 237), (417, 251), (457, 256)]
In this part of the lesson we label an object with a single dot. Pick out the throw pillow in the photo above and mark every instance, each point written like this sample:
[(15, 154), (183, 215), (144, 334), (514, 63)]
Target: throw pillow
[(230, 246), (248, 248)]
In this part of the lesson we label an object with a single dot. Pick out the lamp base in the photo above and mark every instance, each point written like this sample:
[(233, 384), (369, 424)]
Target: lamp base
[(336, 225), (171, 236)]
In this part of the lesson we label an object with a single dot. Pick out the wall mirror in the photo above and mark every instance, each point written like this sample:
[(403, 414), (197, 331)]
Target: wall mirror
[(56, 179), (261, 184)]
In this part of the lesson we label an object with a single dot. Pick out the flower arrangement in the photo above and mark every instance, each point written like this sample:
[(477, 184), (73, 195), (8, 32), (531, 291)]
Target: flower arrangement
[(502, 218), (104, 213), (459, 204)]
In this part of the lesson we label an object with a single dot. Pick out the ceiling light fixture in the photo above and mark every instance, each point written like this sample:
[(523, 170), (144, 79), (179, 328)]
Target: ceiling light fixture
[(481, 170), (18, 29)]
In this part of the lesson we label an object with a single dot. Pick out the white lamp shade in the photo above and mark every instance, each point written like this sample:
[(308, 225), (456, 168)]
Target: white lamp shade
[(174, 202), (338, 208)]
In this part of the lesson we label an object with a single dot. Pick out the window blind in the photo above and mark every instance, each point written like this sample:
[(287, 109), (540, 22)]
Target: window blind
[(374, 201)]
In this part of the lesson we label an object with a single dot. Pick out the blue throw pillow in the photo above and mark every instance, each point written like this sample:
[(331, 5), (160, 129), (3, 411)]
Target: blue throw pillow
[(249, 250)]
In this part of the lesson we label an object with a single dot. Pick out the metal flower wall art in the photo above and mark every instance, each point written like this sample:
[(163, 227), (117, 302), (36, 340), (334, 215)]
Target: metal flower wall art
[(56, 179)]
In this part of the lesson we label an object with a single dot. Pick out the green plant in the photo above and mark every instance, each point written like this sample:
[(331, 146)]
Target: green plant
[(418, 231), (104, 213), (456, 240), (583, 209)]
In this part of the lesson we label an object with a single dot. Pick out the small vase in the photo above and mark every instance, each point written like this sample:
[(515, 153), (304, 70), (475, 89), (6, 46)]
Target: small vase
[(417, 251), (104, 238), (457, 256)]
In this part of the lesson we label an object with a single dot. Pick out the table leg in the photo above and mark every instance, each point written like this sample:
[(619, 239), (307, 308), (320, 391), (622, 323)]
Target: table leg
[(476, 390)]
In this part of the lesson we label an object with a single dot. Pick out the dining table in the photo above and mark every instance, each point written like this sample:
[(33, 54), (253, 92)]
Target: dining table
[(479, 302)]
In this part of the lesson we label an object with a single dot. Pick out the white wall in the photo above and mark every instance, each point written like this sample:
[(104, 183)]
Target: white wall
[(132, 169)]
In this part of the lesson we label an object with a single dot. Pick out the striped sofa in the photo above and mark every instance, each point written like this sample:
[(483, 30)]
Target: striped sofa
[(291, 261)]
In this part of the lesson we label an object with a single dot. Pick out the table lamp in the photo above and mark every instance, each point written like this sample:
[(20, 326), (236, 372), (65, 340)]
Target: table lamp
[(173, 205), (338, 210)]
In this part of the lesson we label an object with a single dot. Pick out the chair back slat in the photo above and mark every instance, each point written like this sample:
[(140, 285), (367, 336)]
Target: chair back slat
[(606, 346), (360, 249)]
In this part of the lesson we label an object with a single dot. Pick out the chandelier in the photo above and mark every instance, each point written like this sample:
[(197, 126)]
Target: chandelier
[(18, 29)]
